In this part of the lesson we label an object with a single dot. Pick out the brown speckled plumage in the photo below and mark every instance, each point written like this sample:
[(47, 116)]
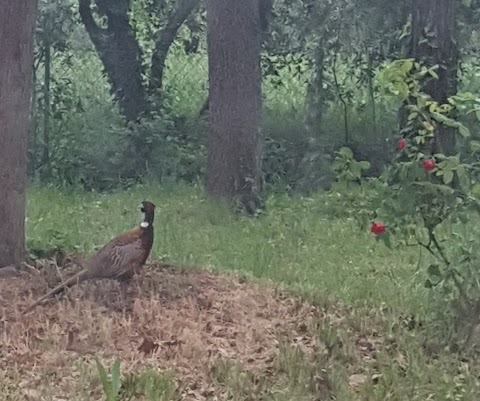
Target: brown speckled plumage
[(121, 258)]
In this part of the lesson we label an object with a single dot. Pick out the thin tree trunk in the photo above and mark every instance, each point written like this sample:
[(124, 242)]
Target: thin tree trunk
[(46, 113), (234, 169), (316, 92), (342, 100), (17, 24), (371, 91)]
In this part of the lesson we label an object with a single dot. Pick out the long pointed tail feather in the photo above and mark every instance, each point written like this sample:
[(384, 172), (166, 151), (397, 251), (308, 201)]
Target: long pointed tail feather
[(80, 276)]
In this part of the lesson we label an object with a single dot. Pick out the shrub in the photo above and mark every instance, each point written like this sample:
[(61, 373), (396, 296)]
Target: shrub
[(424, 199)]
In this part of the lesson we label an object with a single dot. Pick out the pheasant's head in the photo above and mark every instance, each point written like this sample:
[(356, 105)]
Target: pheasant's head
[(149, 209)]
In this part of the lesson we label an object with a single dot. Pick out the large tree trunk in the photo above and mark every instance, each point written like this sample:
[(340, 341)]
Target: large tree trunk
[(433, 41), (234, 142), (17, 23), (265, 13)]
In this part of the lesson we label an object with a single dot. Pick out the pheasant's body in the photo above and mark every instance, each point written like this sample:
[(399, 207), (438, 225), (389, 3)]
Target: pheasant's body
[(121, 258)]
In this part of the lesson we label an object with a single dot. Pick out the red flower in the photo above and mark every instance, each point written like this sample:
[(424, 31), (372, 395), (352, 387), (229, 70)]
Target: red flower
[(378, 228), (429, 164), (401, 144)]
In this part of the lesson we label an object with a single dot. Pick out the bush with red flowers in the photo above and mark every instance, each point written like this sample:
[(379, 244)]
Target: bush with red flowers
[(423, 198)]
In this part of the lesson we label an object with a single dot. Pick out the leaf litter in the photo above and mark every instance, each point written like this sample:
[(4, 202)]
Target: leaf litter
[(180, 319)]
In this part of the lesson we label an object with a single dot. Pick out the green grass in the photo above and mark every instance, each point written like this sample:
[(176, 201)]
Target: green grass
[(296, 244)]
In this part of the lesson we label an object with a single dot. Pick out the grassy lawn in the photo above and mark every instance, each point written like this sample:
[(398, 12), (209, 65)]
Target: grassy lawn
[(366, 291), (297, 243)]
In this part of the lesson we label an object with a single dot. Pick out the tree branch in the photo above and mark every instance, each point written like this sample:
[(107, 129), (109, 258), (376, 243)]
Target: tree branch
[(453, 273), (94, 31), (164, 40)]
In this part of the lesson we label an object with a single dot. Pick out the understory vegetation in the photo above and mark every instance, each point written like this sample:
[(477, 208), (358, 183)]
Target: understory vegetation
[(374, 297)]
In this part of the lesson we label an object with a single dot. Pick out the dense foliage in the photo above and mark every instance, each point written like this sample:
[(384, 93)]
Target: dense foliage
[(320, 90)]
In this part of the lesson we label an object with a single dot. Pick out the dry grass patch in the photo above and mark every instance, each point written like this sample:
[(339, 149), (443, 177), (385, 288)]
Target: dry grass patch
[(189, 321)]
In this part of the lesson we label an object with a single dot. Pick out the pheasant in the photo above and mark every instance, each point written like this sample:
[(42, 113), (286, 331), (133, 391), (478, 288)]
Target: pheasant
[(119, 259)]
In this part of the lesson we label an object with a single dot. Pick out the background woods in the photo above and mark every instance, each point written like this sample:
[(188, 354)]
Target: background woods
[(121, 87)]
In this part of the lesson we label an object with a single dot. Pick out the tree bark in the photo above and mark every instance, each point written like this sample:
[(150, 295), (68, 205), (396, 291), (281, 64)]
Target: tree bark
[(234, 168), (17, 25), (433, 42), (120, 53), (316, 93), (265, 8), (46, 170)]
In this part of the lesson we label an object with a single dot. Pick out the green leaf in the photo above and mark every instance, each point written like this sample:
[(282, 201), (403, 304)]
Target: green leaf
[(474, 146), (364, 165), (421, 233), (387, 240), (476, 191), (116, 382), (346, 152), (337, 164), (448, 177), (355, 171), (464, 131), (406, 66), (440, 117), (428, 126), (477, 114), (463, 178), (432, 72), (107, 388), (402, 90), (421, 102)]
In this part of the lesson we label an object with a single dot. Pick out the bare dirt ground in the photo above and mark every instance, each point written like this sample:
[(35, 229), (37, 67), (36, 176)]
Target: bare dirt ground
[(181, 319)]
